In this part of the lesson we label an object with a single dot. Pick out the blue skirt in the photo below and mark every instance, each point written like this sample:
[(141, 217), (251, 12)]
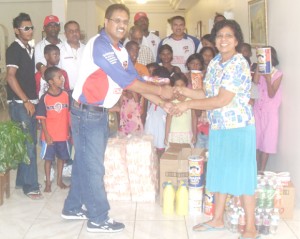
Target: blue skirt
[(231, 166)]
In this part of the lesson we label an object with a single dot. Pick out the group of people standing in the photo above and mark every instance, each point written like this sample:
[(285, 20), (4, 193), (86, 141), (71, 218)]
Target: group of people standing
[(105, 70)]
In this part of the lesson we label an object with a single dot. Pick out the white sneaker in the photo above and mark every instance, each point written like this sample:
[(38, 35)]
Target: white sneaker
[(52, 172), (67, 171)]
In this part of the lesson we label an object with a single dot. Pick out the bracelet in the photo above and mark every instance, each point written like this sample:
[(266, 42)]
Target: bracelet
[(25, 101)]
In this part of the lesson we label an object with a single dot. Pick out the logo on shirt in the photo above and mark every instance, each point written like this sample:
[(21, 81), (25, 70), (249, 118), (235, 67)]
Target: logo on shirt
[(110, 57), (186, 49), (125, 65), (58, 107), (153, 43)]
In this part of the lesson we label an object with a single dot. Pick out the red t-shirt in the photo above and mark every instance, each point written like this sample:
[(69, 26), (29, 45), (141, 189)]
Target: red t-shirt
[(55, 109)]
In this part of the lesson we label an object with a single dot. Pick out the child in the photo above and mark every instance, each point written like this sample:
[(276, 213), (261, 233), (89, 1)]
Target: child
[(156, 117), (208, 53), (131, 104), (194, 62), (53, 113), (52, 56), (266, 112), (247, 53), (181, 129), (165, 54)]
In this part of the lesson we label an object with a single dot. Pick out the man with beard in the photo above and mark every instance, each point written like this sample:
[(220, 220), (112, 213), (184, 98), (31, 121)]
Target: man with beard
[(151, 40)]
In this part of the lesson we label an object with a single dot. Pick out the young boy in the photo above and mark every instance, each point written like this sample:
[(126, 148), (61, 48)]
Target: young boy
[(53, 112), (52, 56)]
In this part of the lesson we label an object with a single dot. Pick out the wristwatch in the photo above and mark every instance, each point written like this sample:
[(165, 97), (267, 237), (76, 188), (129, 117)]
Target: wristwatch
[(25, 101)]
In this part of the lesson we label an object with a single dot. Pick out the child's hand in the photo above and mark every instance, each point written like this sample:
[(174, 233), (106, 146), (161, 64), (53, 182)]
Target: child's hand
[(48, 139), (166, 141)]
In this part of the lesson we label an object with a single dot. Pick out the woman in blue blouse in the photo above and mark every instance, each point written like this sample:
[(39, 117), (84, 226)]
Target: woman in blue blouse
[(232, 150)]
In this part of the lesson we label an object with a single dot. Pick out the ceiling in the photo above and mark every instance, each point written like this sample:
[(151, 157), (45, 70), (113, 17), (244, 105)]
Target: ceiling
[(153, 5)]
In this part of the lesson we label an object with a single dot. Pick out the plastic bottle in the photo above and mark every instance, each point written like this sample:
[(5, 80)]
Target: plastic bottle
[(242, 222), (266, 222), (270, 192), (262, 195), (274, 221), (182, 200), (259, 220), (168, 199), (234, 221)]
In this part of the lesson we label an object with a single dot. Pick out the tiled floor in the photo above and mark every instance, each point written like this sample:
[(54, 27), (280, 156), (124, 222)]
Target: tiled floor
[(21, 217)]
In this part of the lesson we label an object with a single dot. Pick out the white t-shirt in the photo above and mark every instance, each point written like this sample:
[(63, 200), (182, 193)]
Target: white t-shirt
[(39, 51), (70, 59), (152, 41)]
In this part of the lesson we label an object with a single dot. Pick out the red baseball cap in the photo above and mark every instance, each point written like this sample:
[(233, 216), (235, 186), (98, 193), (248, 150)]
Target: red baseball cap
[(138, 15), (50, 19)]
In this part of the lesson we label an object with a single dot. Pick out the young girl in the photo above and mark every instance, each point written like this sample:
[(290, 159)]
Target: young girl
[(156, 117), (208, 54), (180, 129), (266, 112), (194, 63), (165, 54)]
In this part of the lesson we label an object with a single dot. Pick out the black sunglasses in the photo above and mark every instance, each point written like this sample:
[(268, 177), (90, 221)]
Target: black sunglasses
[(26, 28)]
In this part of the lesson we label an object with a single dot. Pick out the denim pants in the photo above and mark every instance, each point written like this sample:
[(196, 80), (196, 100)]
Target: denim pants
[(27, 176), (90, 134)]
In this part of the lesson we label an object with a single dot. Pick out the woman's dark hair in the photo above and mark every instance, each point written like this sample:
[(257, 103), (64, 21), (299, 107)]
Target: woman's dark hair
[(235, 27), (161, 72), (207, 48), (194, 56), (179, 76), (114, 7), (22, 17), (274, 56), (165, 47)]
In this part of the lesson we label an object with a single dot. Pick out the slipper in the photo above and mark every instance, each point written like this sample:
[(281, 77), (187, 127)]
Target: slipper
[(203, 227), (35, 195), (257, 237)]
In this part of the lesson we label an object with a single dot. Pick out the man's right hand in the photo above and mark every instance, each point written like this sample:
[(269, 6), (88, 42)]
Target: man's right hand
[(166, 92), (29, 108)]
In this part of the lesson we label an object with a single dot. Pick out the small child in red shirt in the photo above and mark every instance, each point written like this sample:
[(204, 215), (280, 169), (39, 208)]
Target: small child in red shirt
[(53, 113)]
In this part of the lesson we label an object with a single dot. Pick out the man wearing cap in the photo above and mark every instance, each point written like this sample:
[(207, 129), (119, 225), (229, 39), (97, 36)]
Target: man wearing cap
[(183, 45), (52, 29), (151, 40)]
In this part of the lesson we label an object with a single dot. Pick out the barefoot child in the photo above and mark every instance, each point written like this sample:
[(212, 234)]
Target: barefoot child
[(53, 112)]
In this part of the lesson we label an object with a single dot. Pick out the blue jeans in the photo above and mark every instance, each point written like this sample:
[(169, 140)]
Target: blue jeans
[(90, 134), (26, 174)]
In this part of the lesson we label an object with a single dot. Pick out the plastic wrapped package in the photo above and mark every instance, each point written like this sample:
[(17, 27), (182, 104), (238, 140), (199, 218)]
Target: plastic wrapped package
[(142, 168), (116, 174)]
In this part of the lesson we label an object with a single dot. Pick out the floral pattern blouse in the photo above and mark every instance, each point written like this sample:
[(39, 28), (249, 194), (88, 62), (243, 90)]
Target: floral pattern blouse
[(234, 76)]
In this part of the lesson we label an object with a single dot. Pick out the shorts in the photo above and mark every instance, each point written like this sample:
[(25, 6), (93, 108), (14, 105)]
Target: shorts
[(59, 149)]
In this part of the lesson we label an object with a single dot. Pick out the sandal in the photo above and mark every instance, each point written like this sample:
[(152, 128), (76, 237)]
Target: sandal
[(35, 195), (204, 227)]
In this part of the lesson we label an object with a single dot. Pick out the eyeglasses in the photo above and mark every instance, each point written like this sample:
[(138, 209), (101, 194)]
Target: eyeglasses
[(26, 28), (118, 21)]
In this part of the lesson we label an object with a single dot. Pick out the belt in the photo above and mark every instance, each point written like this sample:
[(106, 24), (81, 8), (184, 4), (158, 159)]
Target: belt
[(89, 107)]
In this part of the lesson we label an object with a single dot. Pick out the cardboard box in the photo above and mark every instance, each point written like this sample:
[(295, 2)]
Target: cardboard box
[(174, 165), (287, 201)]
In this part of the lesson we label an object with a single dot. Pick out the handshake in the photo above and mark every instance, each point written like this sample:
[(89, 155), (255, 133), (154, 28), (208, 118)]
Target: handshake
[(168, 94)]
